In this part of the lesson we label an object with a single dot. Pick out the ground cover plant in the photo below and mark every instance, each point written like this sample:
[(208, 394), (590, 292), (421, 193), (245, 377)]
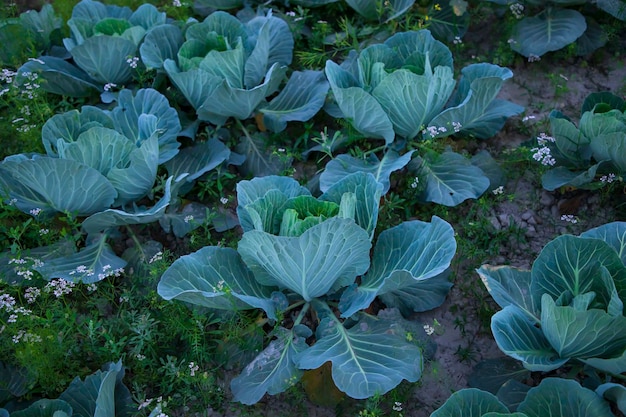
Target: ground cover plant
[(199, 208)]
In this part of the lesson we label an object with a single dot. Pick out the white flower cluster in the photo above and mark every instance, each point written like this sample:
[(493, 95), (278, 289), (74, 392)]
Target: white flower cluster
[(542, 153), (607, 179), (157, 257), (193, 368), (569, 218), (26, 337), (517, 9), (59, 287), (415, 182), (133, 61), (434, 130), (498, 191), (110, 86), (8, 304)]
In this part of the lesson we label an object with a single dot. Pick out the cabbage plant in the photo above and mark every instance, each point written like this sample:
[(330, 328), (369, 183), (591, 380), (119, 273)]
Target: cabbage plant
[(226, 68), (104, 46), (553, 397), (569, 307), (546, 26), (590, 155), (404, 89), (306, 263)]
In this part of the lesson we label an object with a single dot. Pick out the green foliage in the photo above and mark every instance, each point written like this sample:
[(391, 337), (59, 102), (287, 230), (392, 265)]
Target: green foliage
[(543, 27), (553, 397), (568, 307), (299, 248), (579, 155)]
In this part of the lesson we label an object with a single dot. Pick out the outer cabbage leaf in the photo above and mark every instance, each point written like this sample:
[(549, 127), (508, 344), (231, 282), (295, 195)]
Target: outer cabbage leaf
[(479, 113), (410, 100), (273, 44), (367, 192), (61, 77), (10, 272), (359, 107), (100, 394), (409, 295), (510, 286), (70, 125), (220, 4), (93, 263), (451, 179), (344, 165), (147, 16), (614, 234), (471, 402), (614, 7), (517, 336), (196, 85), (368, 359), (132, 117), (227, 101), (556, 397), (273, 370), (104, 58), (571, 146), (61, 185), (215, 277), (42, 23), (198, 159), (582, 334), (550, 30), (330, 254), (561, 176), (613, 392), (571, 264), (410, 252), (259, 159), (413, 47), (160, 44), (44, 408), (113, 218), (299, 100)]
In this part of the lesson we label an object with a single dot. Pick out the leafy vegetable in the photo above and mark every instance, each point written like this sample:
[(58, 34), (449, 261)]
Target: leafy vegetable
[(570, 306), (308, 251)]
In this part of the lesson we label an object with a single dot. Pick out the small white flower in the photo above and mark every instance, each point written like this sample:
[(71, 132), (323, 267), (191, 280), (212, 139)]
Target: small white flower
[(157, 257), (517, 9), (176, 3), (457, 40), (132, 61), (456, 126), (397, 406), (290, 14), (527, 118), (193, 368), (43, 232), (569, 218), (607, 179), (534, 58), (188, 218), (224, 200), (415, 182), (430, 330), (35, 212), (499, 190), (109, 86)]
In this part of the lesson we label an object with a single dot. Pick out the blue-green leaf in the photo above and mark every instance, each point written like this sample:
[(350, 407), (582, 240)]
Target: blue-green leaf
[(104, 58), (518, 337), (61, 185), (329, 255), (70, 125), (411, 101), (577, 334), (359, 107), (344, 165), (147, 16), (215, 277), (13, 273), (148, 113), (571, 264), (451, 179), (615, 393), (274, 44), (299, 100), (561, 176), (45, 408), (262, 198), (273, 370), (414, 46), (470, 402), (61, 77), (370, 358), (101, 394), (228, 101), (510, 286), (550, 30), (196, 85), (411, 252), (113, 218), (367, 192), (556, 397), (198, 159), (93, 263), (259, 159), (612, 233), (160, 44)]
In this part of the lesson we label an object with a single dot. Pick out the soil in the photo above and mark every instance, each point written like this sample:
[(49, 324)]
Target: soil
[(463, 339)]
